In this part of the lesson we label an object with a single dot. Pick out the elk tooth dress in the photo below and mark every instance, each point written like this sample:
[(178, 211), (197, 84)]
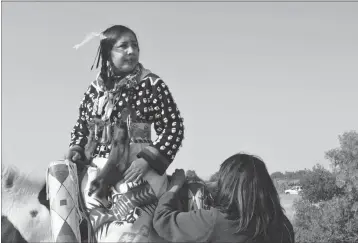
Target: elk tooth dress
[(130, 211)]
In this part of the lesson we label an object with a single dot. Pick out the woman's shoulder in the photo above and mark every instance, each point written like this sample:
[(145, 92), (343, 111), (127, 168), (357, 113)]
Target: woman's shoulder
[(151, 79), (147, 75)]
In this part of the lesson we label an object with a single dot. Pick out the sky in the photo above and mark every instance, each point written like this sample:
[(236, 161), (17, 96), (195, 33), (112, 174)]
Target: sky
[(273, 79)]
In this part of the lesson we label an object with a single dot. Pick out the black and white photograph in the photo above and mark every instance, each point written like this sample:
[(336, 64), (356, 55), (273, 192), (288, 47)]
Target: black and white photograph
[(179, 121)]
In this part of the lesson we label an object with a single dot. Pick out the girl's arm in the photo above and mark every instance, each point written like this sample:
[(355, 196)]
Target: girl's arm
[(176, 226)]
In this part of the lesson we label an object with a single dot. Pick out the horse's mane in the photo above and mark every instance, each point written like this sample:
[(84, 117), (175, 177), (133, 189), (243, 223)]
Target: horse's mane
[(11, 173), (7, 169), (16, 184), (8, 174)]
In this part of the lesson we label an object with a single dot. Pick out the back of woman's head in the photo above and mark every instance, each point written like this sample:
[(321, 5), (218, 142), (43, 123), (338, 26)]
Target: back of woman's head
[(248, 196)]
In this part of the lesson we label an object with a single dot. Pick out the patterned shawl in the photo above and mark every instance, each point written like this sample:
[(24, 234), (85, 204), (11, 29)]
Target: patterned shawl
[(106, 102)]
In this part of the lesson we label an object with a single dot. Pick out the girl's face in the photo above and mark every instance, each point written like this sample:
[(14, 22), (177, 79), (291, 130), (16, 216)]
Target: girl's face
[(125, 54)]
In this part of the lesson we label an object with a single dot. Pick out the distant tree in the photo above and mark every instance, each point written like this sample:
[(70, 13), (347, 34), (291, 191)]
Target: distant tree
[(289, 175), (334, 220), (277, 175), (344, 161), (300, 174), (319, 185)]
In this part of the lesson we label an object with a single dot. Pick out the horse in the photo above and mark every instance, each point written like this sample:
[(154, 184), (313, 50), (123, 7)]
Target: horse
[(25, 215), (25, 210)]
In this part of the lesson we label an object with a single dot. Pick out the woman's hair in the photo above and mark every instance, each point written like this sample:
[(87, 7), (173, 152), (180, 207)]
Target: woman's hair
[(247, 195), (112, 35)]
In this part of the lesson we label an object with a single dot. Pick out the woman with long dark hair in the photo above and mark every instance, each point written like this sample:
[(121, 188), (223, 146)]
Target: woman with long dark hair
[(125, 98), (247, 208)]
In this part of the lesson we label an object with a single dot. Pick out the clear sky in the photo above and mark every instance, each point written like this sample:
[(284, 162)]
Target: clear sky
[(278, 80)]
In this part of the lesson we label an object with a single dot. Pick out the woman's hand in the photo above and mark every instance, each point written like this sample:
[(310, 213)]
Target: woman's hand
[(73, 156), (136, 170), (76, 155), (177, 180)]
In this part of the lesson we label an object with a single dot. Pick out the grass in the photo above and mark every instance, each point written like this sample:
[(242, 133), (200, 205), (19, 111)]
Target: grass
[(287, 204)]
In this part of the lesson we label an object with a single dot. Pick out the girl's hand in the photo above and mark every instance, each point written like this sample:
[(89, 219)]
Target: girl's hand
[(136, 171), (177, 180)]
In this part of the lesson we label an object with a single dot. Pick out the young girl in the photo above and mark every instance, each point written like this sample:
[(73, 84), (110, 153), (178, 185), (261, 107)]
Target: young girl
[(247, 208)]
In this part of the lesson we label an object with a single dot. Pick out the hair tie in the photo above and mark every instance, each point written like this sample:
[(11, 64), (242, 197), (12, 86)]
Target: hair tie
[(89, 37), (98, 57)]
